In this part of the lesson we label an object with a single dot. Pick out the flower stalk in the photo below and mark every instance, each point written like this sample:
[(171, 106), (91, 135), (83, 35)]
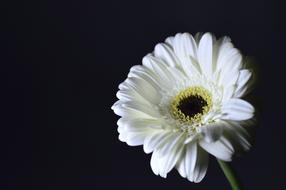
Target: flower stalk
[(231, 175)]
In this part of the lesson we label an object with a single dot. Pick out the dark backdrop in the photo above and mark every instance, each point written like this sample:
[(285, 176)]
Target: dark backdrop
[(61, 65)]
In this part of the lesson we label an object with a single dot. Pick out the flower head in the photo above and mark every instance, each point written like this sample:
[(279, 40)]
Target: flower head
[(185, 102)]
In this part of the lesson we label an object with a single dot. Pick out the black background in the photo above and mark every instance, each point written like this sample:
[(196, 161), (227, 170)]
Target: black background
[(61, 65)]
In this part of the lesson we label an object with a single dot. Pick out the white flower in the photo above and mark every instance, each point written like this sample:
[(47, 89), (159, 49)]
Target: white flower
[(185, 102)]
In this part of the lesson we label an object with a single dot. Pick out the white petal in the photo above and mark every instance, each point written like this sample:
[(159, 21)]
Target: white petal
[(178, 75), (144, 73), (217, 50), (190, 67), (154, 140), (139, 90), (122, 136), (191, 138), (134, 110), (221, 149), (166, 54), (238, 136), (226, 50), (181, 164), (136, 138), (121, 122), (132, 134), (244, 76), (119, 110), (228, 64), (190, 160), (201, 165), (205, 54), (185, 46), (155, 163), (228, 93), (170, 143), (149, 110), (161, 165), (230, 70), (196, 162), (140, 124), (213, 131), (172, 157), (159, 69), (237, 109), (135, 131), (170, 41)]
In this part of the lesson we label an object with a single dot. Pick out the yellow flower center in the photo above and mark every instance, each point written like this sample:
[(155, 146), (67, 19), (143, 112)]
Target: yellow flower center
[(191, 104)]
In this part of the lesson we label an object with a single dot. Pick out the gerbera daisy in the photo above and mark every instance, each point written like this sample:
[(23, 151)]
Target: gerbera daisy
[(185, 102)]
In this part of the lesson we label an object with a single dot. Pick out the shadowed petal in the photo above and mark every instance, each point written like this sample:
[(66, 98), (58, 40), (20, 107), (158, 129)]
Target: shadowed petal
[(221, 148), (237, 109)]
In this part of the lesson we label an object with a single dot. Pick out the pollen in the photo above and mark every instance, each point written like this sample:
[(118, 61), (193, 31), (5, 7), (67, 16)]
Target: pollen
[(190, 105)]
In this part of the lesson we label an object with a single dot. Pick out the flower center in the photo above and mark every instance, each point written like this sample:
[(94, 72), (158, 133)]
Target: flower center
[(191, 104)]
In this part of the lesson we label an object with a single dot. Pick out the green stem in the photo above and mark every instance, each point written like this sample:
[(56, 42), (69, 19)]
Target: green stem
[(230, 175)]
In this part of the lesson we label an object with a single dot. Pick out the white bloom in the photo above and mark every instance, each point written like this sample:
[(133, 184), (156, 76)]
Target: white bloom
[(185, 102)]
